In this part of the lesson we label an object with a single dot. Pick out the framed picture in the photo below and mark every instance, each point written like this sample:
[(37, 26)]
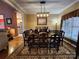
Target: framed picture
[(42, 21), (8, 21)]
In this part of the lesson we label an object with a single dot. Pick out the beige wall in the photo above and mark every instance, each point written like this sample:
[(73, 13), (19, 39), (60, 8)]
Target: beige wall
[(53, 21), (31, 21), (25, 22)]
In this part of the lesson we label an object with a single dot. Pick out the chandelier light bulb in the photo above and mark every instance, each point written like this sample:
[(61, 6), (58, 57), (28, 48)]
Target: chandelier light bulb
[(47, 15), (44, 15), (41, 15), (38, 15)]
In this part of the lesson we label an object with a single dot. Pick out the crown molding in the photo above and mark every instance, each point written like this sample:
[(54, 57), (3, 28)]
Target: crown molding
[(15, 5), (69, 5)]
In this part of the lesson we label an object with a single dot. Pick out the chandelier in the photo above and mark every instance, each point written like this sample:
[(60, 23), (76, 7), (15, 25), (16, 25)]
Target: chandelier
[(43, 13)]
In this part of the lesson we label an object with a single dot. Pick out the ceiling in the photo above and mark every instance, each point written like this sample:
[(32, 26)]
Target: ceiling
[(51, 6)]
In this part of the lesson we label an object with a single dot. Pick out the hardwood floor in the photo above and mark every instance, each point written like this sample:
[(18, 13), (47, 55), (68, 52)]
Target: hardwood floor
[(3, 54), (12, 46)]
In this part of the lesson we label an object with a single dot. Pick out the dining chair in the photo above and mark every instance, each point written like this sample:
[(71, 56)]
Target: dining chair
[(54, 42)]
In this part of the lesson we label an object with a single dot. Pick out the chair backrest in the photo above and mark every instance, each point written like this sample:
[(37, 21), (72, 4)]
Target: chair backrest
[(62, 33), (26, 33), (36, 31), (30, 38), (55, 39), (43, 37), (33, 37)]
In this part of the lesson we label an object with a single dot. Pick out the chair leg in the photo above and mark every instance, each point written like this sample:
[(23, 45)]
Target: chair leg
[(37, 50), (57, 49), (29, 50), (49, 50), (62, 42), (24, 43)]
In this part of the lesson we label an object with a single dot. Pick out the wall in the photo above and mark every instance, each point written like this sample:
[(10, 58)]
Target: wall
[(8, 12), (54, 21), (25, 22), (31, 21)]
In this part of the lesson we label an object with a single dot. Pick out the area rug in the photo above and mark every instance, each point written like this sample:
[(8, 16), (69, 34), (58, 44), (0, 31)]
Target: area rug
[(42, 53)]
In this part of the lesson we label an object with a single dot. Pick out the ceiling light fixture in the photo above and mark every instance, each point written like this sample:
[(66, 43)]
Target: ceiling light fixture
[(43, 13)]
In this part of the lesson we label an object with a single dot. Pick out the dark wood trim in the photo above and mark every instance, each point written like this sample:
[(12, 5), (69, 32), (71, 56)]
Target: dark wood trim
[(61, 24), (74, 13), (77, 49), (71, 41)]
